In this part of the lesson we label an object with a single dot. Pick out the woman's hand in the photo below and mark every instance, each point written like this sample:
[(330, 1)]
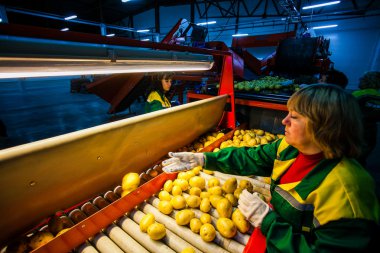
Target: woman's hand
[(182, 161), (253, 207)]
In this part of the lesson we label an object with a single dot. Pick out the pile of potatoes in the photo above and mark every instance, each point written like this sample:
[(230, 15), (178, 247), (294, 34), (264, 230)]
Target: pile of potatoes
[(202, 142), (249, 138), (241, 138), (195, 201)]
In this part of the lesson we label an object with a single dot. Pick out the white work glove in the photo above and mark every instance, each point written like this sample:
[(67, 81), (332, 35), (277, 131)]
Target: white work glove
[(253, 207), (182, 161)]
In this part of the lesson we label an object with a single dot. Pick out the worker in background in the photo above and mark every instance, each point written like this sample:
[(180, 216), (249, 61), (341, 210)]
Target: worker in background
[(334, 76), (156, 99), (368, 97), (323, 200)]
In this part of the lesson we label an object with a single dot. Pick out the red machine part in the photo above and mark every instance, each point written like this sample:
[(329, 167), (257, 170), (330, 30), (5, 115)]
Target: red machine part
[(240, 45), (90, 226)]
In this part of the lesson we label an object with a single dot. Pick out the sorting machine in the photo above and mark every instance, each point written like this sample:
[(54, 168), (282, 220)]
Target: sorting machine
[(80, 172)]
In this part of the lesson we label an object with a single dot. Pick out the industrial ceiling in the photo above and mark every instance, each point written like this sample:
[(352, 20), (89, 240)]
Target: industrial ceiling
[(116, 12)]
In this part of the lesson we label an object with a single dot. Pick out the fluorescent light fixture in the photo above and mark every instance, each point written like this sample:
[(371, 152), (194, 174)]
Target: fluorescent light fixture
[(43, 67), (320, 5), (1, 20), (110, 35), (71, 17), (124, 1), (207, 23), (65, 29), (240, 35), (324, 26), (143, 31), (145, 40), (65, 58)]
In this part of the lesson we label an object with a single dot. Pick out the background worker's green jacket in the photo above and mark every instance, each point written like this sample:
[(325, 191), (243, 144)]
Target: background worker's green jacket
[(156, 101), (332, 209)]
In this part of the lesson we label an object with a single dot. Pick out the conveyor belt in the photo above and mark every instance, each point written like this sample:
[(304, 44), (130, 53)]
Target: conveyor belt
[(124, 235), (39, 178)]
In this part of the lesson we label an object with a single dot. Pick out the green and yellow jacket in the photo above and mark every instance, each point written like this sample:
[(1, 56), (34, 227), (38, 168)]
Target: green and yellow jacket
[(332, 209), (156, 101)]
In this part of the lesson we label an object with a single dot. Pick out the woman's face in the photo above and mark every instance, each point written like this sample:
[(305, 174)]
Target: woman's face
[(296, 133), (166, 84)]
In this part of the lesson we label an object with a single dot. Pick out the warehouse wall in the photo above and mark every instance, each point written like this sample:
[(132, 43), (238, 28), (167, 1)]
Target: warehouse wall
[(355, 46), (355, 43)]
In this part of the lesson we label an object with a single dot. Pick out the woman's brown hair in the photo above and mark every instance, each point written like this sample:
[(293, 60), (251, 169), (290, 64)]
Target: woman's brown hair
[(334, 119)]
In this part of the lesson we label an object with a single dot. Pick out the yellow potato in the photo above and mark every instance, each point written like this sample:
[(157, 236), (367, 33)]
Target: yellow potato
[(188, 250), (195, 191), (215, 190), (62, 231), (197, 181), (195, 225), (230, 185), (226, 227), (224, 208), (205, 205), (178, 202), (209, 172), (214, 199), (40, 238), (146, 221), (237, 192), (168, 186), (207, 232), (245, 184), (259, 132), (184, 184), (240, 221), (177, 190), (164, 195), (190, 174), (130, 181), (196, 170), (125, 193), (156, 231), (182, 175), (213, 182), (219, 135), (232, 199), (205, 218), (165, 207), (205, 195), (184, 217), (193, 201)]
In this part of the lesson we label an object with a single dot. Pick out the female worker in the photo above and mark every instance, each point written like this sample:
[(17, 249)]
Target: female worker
[(322, 198), (157, 100)]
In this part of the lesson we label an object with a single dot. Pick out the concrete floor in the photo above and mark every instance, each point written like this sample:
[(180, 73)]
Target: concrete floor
[(37, 109)]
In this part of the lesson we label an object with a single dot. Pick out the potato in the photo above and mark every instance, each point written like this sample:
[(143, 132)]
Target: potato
[(224, 208), (205, 205), (184, 217), (240, 222), (230, 185), (130, 181), (207, 232), (40, 238), (195, 225), (226, 227), (193, 201), (178, 202), (197, 181), (146, 221), (156, 231)]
